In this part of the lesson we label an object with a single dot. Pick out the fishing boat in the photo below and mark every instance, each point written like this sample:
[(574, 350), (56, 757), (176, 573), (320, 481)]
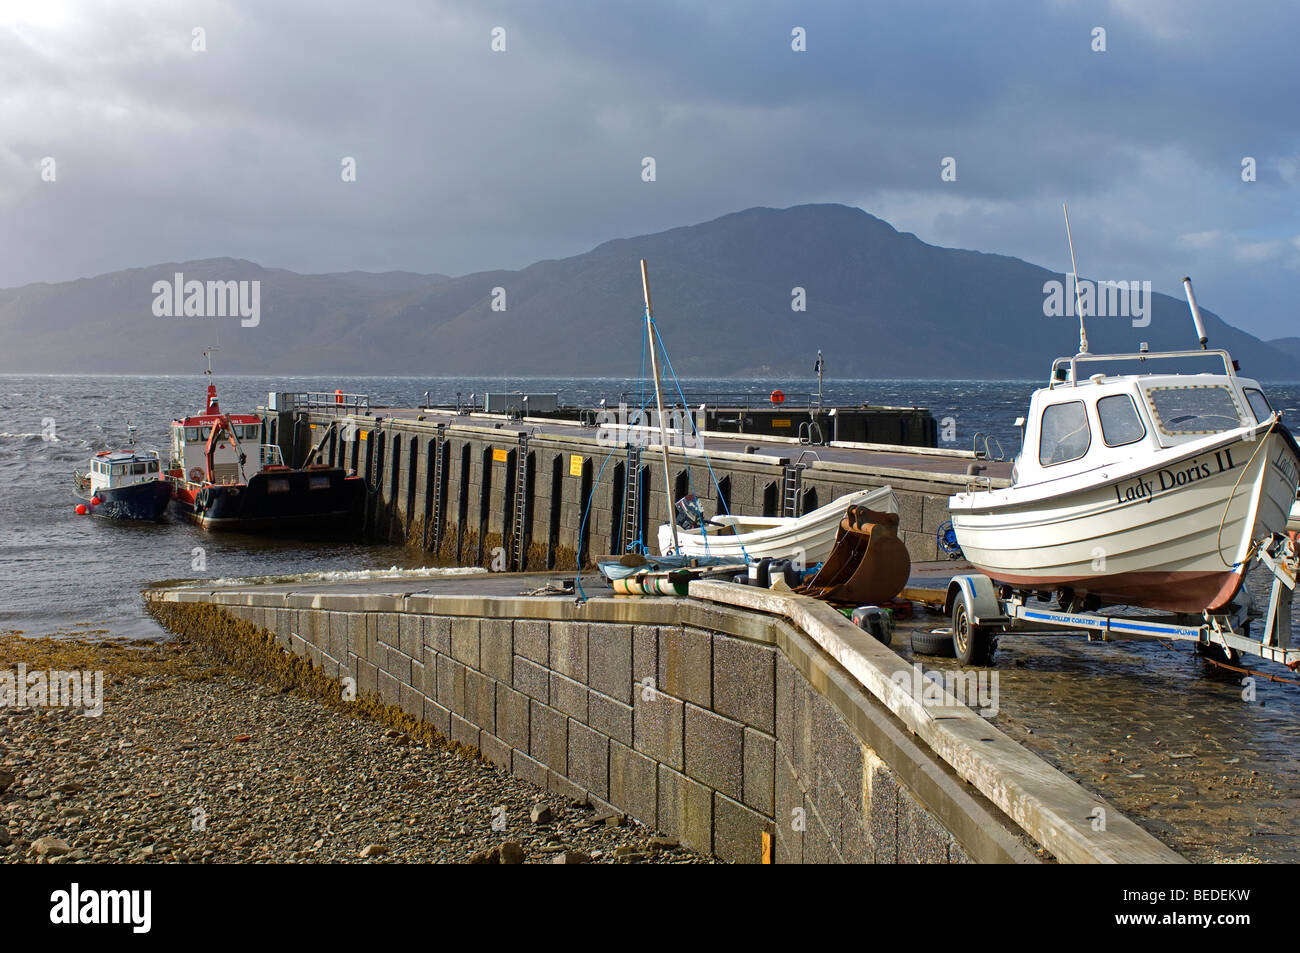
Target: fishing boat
[(1150, 488), (808, 538), (224, 478), (125, 484)]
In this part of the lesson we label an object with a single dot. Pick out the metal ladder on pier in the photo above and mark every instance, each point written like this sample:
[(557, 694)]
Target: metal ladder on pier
[(631, 496), (791, 483), (439, 485), (519, 522)]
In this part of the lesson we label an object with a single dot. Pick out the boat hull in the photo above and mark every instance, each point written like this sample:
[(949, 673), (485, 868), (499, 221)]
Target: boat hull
[(139, 501), (809, 538), (294, 500), (1174, 537)]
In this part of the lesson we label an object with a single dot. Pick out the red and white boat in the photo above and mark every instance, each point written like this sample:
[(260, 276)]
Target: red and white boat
[(225, 478), (1149, 489)]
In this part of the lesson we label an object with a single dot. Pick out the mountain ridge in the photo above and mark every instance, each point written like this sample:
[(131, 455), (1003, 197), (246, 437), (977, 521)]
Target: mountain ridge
[(879, 302)]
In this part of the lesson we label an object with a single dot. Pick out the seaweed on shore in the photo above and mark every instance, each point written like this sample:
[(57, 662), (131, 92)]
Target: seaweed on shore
[(253, 651)]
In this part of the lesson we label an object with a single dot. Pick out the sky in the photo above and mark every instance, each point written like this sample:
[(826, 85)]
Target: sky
[(209, 129)]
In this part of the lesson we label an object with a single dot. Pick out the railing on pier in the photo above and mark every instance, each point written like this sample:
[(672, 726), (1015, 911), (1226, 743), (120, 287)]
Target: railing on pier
[(269, 455), (728, 400), (332, 402)]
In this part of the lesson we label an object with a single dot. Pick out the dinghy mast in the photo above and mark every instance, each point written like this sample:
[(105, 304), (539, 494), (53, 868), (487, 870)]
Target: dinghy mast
[(659, 400)]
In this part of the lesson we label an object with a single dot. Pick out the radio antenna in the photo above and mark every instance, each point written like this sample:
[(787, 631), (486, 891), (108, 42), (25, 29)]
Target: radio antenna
[(1078, 304)]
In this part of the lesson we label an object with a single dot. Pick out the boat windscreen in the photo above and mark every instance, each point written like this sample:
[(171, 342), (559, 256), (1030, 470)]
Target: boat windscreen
[(1195, 409)]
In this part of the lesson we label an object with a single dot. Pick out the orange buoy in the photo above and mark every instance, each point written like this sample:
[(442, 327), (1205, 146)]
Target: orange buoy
[(95, 501), (81, 509), (778, 397)]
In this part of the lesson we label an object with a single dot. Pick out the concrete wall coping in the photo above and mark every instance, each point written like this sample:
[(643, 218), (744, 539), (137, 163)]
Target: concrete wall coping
[(1050, 807), (915, 476)]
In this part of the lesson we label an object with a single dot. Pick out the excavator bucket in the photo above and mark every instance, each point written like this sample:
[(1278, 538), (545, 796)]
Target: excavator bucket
[(868, 564)]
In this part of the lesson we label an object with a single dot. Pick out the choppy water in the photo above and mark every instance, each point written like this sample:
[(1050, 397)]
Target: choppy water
[(63, 573)]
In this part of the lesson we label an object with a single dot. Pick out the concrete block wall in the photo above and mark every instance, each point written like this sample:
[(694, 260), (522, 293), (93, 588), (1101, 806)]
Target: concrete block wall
[(704, 729)]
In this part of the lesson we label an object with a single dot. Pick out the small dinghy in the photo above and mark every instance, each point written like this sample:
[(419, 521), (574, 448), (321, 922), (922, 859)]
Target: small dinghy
[(808, 538)]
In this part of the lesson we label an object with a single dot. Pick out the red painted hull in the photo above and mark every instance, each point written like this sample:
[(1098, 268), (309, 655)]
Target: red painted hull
[(1190, 592)]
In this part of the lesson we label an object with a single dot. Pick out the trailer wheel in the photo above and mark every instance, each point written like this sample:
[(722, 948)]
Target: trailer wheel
[(932, 643), (972, 644)]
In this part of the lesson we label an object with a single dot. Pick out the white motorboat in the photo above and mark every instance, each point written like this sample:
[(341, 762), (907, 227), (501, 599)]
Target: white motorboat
[(808, 538), (1147, 489)]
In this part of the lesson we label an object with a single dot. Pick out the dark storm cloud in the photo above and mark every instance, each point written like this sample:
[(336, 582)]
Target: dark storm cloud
[(469, 159)]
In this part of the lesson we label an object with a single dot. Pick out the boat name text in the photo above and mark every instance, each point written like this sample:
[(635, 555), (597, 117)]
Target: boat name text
[(1148, 485)]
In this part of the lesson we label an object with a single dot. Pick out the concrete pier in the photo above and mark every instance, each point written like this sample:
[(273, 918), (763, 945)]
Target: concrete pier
[(527, 493)]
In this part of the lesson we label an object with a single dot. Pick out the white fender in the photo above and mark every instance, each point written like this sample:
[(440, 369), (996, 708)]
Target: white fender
[(980, 596)]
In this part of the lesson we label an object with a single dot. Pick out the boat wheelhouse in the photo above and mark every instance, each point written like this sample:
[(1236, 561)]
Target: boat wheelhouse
[(123, 484), (224, 477)]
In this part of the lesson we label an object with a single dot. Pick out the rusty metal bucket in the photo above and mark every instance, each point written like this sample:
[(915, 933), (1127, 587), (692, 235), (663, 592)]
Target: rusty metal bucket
[(868, 564)]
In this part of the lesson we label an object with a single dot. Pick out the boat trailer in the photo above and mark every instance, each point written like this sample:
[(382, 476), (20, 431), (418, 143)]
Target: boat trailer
[(980, 611)]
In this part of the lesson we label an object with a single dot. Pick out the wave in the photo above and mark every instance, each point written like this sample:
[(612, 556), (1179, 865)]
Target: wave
[(336, 575)]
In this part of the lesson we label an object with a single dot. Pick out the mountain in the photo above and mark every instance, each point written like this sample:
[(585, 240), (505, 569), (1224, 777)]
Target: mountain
[(879, 303), (1288, 346)]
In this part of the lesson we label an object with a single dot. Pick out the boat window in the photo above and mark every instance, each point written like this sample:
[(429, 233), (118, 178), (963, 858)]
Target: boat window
[(1194, 408), (137, 469), (153, 466), (1259, 405), (1065, 435), (1120, 423), (191, 433)]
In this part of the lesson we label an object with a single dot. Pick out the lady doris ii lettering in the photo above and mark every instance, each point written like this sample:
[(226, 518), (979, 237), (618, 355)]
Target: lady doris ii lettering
[(1158, 481), (209, 299)]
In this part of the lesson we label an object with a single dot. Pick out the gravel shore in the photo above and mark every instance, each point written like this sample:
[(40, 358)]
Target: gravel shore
[(193, 761)]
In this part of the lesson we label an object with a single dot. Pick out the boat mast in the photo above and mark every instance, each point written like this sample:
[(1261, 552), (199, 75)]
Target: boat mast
[(1078, 305), (659, 401)]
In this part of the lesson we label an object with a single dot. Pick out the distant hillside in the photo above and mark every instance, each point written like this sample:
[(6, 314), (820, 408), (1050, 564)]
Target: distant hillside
[(880, 303), (1288, 346)]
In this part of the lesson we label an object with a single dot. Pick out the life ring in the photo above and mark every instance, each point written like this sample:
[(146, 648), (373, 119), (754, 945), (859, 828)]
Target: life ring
[(196, 474), (778, 397)]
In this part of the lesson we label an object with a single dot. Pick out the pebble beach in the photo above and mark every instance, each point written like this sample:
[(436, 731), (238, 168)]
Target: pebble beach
[(195, 761)]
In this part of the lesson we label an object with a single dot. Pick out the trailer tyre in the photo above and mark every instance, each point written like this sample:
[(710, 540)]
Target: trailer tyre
[(972, 644), (932, 643)]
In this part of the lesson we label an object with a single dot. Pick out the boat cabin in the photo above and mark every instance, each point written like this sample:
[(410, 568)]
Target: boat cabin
[(110, 469), (1075, 425), (237, 452)]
